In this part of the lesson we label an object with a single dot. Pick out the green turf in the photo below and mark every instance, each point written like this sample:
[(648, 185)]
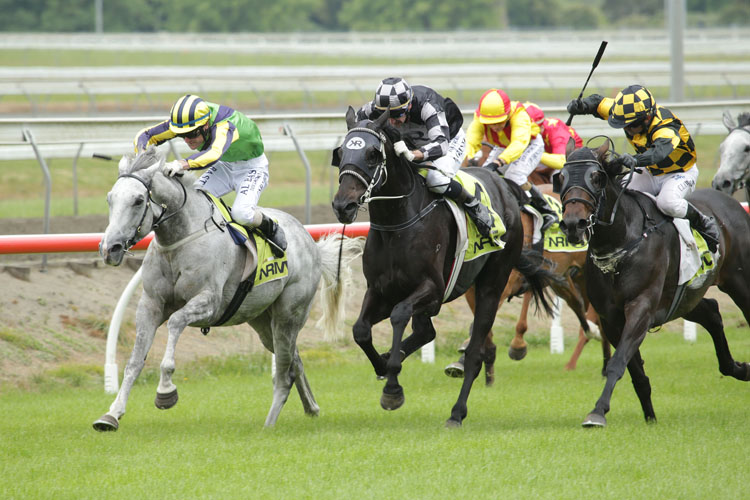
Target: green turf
[(522, 438)]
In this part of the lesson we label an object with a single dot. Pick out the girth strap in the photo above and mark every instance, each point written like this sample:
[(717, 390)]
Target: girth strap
[(239, 297)]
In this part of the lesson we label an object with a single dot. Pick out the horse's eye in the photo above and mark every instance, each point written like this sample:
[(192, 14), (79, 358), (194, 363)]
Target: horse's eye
[(747, 149), (373, 157), (138, 202)]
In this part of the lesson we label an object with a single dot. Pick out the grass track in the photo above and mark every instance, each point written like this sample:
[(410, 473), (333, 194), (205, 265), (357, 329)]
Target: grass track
[(522, 438)]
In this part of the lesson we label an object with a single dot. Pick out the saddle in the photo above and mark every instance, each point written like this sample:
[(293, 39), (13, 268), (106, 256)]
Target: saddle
[(261, 265)]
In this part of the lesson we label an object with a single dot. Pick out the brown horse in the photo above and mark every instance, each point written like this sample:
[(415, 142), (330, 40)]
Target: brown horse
[(572, 290)]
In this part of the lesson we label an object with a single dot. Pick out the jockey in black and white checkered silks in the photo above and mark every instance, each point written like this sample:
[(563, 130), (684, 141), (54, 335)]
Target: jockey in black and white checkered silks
[(664, 150), (430, 128)]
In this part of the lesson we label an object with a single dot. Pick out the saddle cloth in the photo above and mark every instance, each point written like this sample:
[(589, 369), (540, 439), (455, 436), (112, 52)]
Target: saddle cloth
[(259, 257), (695, 258), (469, 243)]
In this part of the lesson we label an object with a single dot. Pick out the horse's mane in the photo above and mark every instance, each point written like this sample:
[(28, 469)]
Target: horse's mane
[(743, 119), (147, 158)]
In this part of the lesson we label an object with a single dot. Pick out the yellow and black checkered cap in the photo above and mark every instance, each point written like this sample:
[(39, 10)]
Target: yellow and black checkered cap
[(631, 104)]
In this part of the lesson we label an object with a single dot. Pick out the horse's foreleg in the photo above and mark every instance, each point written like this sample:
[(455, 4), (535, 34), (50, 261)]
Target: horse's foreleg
[(373, 310), (706, 314), (638, 317), (423, 302), (424, 332), (200, 307), (642, 386), (149, 315)]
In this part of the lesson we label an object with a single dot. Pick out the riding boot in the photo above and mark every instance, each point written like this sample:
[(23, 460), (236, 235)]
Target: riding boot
[(273, 233), (478, 212), (705, 225), (540, 203)]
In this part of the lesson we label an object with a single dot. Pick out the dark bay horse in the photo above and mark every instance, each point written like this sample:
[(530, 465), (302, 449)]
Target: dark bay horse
[(410, 250), (633, 263)]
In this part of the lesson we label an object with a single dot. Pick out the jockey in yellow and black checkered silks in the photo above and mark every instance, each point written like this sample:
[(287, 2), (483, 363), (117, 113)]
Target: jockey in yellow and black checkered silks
[(663, 147)]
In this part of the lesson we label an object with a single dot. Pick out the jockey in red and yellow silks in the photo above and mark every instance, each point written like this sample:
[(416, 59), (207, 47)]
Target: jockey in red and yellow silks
[(506, 124)]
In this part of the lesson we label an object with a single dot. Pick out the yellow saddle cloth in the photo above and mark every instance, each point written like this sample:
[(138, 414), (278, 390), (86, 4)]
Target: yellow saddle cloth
[(268, 267)]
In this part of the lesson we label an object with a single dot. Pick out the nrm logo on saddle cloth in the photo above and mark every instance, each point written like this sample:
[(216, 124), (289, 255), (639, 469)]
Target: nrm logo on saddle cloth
[(261, 265)]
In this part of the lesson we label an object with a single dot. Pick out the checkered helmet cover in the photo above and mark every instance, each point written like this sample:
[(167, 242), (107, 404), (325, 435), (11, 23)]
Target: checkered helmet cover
[(393, 92), (632, 103)]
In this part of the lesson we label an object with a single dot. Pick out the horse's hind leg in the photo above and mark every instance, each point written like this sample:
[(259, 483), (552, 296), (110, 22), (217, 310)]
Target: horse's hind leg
[(198, 308), (706, 314), (303, 387), (148, 317)]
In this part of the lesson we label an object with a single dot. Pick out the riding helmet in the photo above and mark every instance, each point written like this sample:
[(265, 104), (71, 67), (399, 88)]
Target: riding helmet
[(188, 113), (494, 107), (632, 104), (394, 92)]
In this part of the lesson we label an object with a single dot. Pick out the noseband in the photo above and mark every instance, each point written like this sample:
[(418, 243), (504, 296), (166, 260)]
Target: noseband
[(161, 218)]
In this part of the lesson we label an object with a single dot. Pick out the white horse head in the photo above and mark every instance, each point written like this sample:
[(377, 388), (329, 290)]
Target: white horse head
[(734, 166), (133, 210)]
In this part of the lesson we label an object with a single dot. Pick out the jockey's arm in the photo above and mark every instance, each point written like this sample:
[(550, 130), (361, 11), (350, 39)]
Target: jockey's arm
[(438, 132), (665, 141), (474, 137), (224, 134), (520, 136), (154, 135)]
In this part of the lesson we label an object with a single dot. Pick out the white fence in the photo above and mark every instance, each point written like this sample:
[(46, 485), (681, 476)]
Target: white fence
[(75, 136)]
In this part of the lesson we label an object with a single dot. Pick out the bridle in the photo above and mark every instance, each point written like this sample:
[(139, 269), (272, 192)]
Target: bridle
[(582, 179), (380, 174), (163, 216)]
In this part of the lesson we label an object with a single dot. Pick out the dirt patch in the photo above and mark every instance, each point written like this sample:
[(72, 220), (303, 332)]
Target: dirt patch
[(57, 317)]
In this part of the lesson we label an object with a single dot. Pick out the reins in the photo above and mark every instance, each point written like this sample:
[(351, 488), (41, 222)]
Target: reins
[(161, 218)]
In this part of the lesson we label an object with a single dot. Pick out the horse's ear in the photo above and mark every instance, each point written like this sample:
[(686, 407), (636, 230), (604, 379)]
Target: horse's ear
[(124, 165), (602, 150), (570, 147), (350, 118), (383, 118), (728, 120)]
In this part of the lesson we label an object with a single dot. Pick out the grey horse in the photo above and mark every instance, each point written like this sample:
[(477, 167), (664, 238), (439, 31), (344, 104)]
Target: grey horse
[(734, 150), (192, 270)]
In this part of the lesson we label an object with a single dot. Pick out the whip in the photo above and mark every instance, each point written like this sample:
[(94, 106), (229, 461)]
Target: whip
[(593, 67)]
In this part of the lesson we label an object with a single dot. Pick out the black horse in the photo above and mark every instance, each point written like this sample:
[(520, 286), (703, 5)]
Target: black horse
[(633, 263), (410, 253)]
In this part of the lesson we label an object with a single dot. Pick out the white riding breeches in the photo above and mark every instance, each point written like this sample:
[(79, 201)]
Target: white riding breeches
[(518, 171), (670, 189), (445, 167), (248, 178)]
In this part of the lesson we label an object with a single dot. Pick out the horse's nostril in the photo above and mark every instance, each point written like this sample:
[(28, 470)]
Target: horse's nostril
[(726, 184), (563, 226), (581, 224)]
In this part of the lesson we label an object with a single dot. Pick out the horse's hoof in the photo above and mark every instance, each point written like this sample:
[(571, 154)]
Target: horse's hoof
[(455, 370), (166, 401), (594, 420), (106, 423), (452, 424), (463, 346), (489, 379), (392, 402), (517, 354)]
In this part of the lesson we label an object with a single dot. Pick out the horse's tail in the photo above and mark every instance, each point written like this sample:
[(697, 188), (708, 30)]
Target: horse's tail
[(530, 265), (335, 256)]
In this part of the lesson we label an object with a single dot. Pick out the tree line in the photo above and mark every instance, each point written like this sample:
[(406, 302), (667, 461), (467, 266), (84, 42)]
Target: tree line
[(264, 16)]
